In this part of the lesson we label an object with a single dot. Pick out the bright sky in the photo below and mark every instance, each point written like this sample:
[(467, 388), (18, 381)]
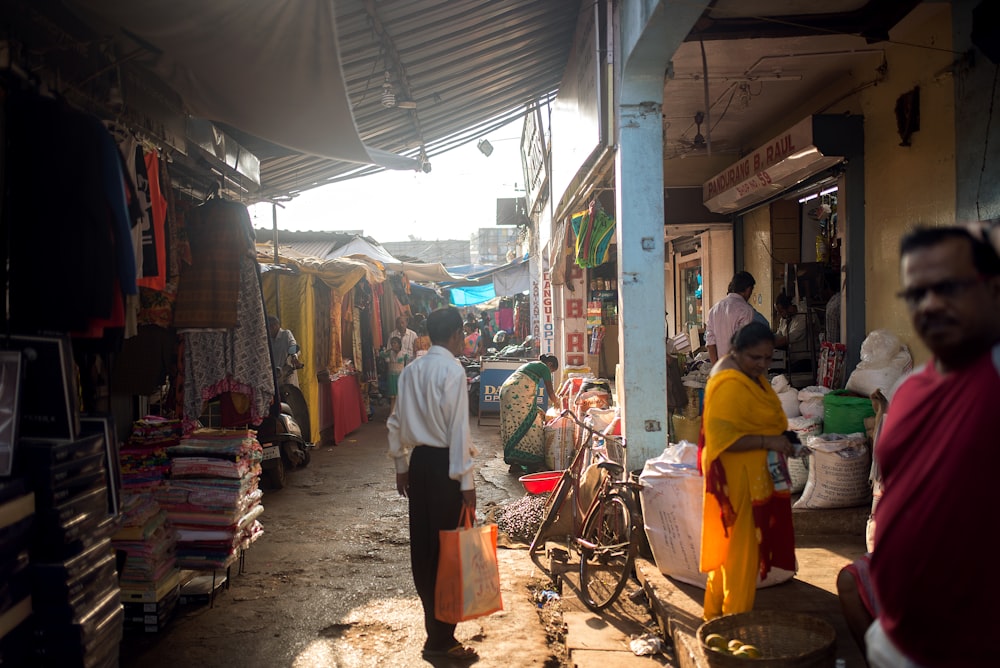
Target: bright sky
[(454, 200)]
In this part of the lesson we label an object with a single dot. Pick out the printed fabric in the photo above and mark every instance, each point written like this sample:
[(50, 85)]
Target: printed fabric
[(231, 360), (521, 428)]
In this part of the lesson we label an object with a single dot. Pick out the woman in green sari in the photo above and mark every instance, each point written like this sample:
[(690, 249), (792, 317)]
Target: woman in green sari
[(520, 416)]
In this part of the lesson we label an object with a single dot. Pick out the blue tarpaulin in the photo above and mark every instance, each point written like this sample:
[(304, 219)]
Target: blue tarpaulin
[(472, 295)]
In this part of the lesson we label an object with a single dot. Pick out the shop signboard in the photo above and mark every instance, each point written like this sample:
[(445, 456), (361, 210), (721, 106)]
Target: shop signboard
[(779, 164), (492, 375)]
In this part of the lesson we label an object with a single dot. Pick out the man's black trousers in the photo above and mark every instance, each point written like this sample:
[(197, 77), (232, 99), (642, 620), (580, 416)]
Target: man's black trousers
[(435, 504)]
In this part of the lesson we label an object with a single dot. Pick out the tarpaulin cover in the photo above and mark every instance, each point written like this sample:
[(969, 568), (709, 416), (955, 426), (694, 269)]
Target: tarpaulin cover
[(474, 294)]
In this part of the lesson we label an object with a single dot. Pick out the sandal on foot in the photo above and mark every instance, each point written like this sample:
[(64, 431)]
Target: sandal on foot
[(457, 653)]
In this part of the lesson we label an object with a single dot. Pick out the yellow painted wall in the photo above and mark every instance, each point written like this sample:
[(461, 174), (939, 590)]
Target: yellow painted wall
[(757, 257), (905, 186)]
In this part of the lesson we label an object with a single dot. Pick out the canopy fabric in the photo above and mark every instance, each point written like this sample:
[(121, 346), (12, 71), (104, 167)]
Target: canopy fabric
[(512, 280), (424, 272), (463, 270), (421, 272), (471, 295), (488, 274), (293, 298), (360, 246), (215, 54)]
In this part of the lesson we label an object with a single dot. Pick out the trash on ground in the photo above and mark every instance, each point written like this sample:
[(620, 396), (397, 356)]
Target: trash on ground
[(646, 645), (543, 596)]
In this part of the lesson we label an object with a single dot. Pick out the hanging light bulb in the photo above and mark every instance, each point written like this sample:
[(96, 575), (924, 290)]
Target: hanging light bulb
[(388, 93)]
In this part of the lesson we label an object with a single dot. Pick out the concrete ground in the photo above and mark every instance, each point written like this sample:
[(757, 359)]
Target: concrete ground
[(826, 540), (329, 586)]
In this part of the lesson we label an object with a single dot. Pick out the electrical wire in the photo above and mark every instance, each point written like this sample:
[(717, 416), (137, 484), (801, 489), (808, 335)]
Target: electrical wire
[(986, 141), (708, 106)]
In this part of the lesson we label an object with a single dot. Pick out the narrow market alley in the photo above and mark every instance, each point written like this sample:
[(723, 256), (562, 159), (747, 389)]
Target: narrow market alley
[(329, 585)]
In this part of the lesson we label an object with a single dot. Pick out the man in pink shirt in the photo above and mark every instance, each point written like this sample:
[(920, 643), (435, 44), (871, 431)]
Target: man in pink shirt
[(729, 315)]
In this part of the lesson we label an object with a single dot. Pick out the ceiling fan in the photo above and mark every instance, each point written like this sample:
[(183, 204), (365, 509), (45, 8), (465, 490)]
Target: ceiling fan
[(699, 144), (389, 99)]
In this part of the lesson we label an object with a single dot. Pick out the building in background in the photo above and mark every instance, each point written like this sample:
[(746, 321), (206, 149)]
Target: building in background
[(491, 245)]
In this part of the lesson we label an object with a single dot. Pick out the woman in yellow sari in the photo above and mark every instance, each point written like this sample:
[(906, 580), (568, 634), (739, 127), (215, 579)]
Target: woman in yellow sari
[(746, 523)]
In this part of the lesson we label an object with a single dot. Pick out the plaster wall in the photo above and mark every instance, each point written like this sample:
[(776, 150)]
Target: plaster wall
[(907, 185), (717, 269), (757, 256), (904, 185)]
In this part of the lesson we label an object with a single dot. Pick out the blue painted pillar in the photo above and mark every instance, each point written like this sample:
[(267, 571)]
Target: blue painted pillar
[(651, 31)]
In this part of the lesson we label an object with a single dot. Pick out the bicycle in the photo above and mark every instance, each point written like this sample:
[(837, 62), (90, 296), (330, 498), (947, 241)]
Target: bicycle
[(607, 537)]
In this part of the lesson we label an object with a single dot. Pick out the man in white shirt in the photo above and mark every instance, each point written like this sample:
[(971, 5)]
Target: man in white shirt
[(729, 315), (406, 336), (285, 352), (431, 445), (792, 334)]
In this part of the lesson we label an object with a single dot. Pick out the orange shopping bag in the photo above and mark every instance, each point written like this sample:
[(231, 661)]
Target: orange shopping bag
[(468, 577)]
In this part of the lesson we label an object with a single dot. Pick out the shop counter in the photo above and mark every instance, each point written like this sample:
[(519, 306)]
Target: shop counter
[(342, 408)]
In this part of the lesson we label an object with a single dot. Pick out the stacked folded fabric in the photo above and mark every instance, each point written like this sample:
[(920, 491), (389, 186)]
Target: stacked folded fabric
[(143, 457), (212, 497), (149, 578)]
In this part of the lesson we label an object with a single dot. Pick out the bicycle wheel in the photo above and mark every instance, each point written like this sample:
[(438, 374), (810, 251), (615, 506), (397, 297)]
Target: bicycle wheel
[(608, 545)]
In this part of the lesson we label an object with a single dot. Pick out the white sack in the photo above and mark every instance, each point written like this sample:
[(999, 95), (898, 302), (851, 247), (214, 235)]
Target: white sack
[(839, 465), (811, 401), (798, 471), (672, 500), (560, 442)]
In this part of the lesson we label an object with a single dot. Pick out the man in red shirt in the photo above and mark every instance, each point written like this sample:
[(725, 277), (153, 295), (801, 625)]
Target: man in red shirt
[(934, 526)]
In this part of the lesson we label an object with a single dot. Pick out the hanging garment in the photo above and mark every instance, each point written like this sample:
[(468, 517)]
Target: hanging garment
[(154, 252), (84, 229), (237, 359), (221, 236), (594, 229), (505, 318), (157, 306)]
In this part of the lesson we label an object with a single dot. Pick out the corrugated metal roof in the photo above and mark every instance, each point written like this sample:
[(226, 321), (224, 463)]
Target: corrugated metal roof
[(469, 66)]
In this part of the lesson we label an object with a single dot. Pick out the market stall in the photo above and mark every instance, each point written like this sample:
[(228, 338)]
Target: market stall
[(341, 407), (310, 296)]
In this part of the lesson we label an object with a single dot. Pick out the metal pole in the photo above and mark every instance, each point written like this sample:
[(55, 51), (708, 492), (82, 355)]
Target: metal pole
[(274, 242)]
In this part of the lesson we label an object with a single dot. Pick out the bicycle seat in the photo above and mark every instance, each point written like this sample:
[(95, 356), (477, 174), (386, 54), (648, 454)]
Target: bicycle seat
[(614, 468)]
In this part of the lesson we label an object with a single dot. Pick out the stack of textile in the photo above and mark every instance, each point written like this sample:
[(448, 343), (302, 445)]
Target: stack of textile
[(213, 497), (144, 456), (149, 579)]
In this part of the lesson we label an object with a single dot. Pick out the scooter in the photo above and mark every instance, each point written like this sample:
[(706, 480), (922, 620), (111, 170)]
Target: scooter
[(472, 369), (280, 434)]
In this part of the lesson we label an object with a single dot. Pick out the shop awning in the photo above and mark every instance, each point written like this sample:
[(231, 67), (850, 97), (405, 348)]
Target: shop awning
[(272, 70), (804, 150)]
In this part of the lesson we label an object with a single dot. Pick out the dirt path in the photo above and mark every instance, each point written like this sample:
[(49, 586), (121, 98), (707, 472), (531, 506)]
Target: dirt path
[(329, 584)]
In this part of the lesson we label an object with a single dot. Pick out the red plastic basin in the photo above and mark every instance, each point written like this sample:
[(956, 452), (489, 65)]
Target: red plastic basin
[(540, 483)]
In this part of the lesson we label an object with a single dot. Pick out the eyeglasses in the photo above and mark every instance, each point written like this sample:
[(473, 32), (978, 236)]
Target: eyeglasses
[(943, 289)]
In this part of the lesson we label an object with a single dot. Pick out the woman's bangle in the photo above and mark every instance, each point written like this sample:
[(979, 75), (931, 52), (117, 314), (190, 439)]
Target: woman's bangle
[(762, 447)]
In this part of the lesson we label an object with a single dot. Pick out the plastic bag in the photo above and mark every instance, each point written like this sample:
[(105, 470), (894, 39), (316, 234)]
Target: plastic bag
[(878, 348), (811, 401), (468, 576)]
